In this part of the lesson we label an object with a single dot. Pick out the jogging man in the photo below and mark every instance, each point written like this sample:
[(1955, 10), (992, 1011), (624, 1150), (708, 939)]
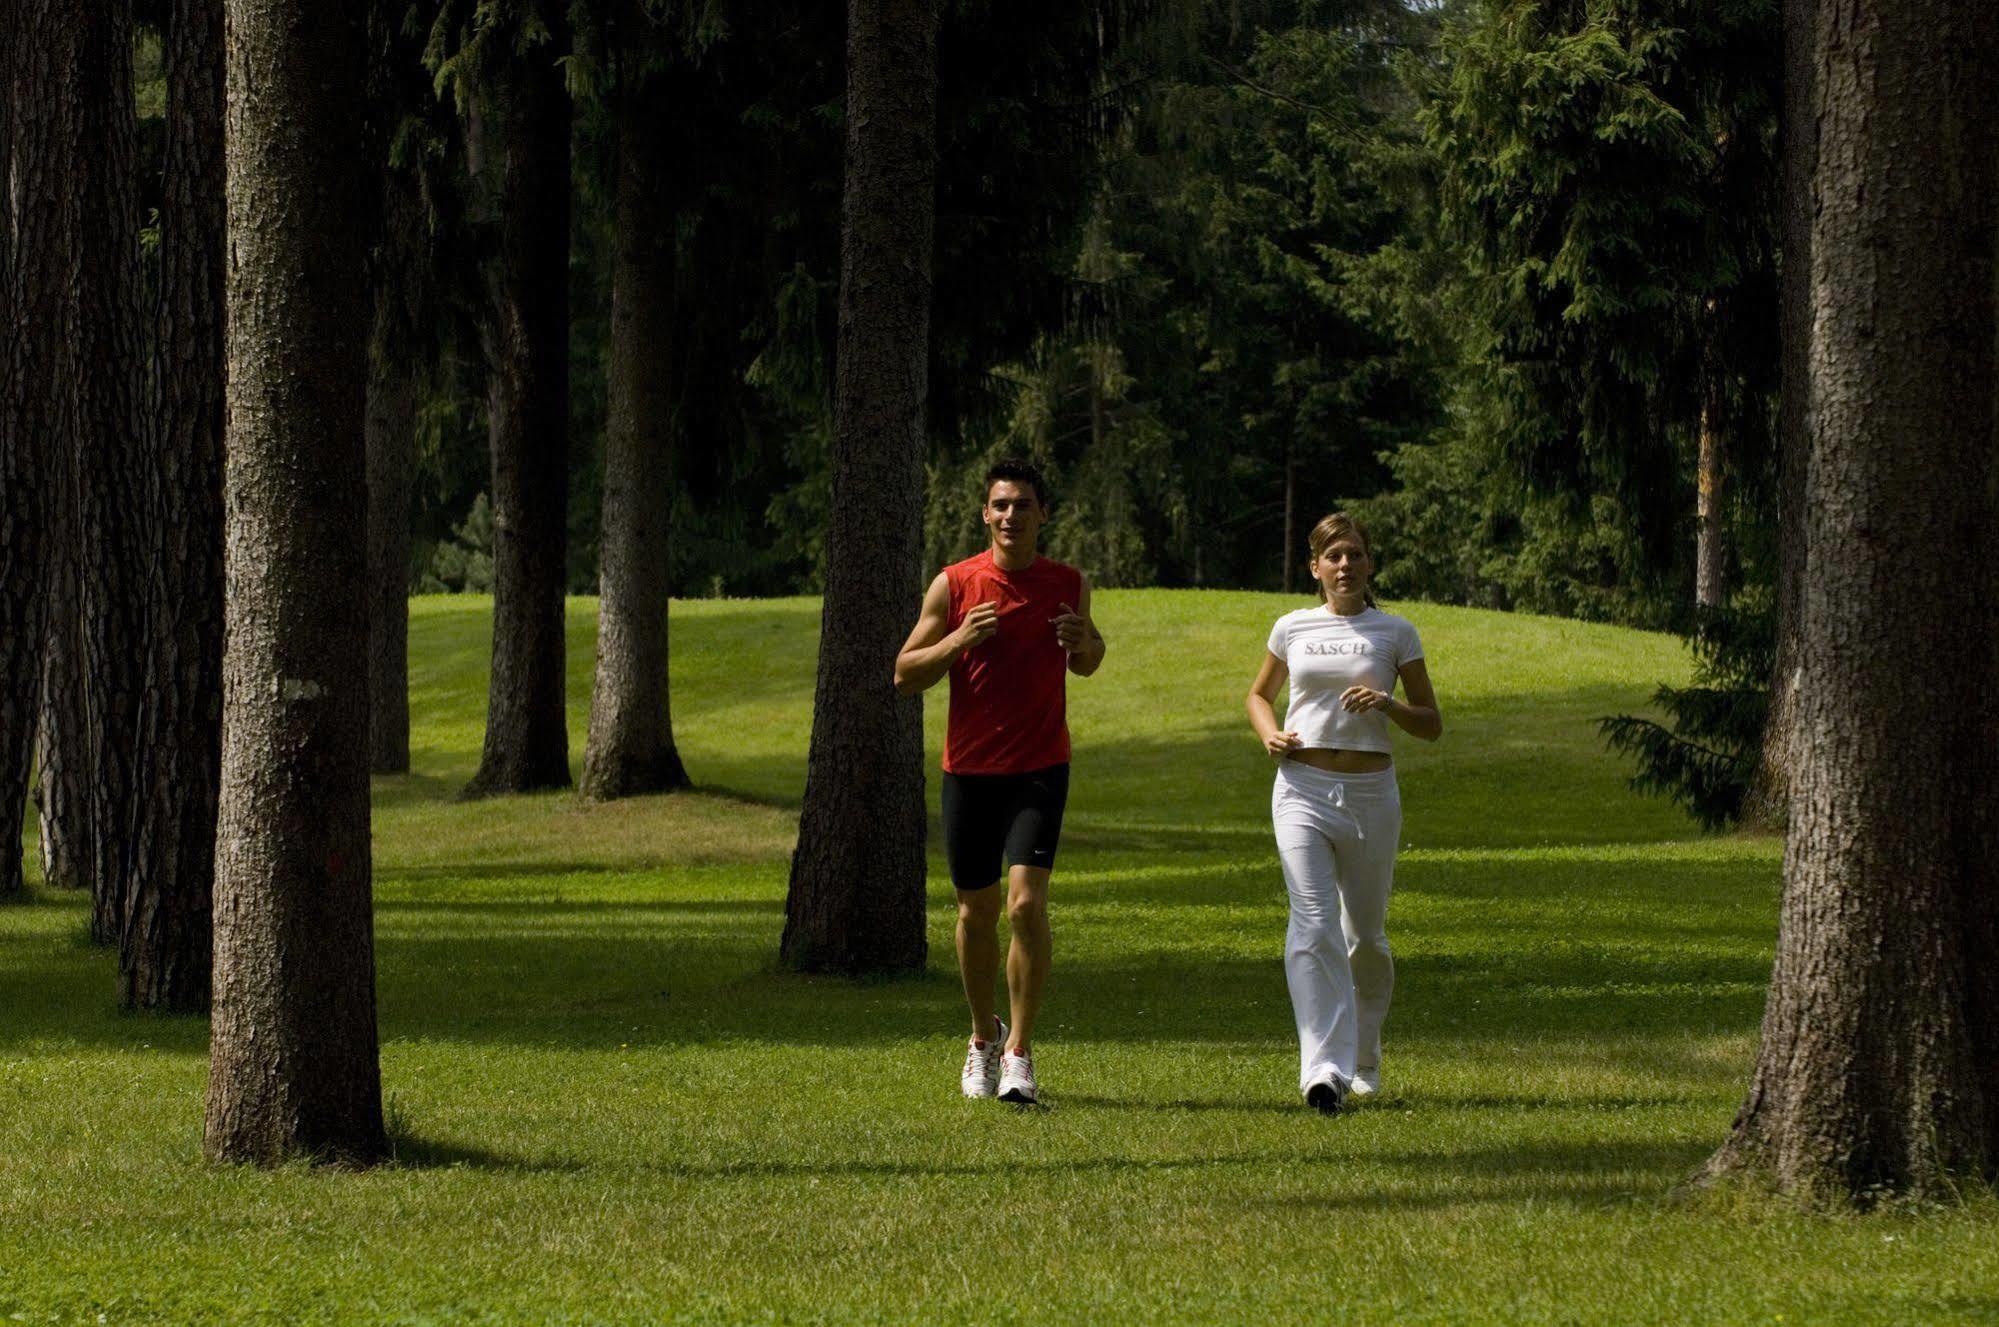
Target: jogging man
[(1006, 624)]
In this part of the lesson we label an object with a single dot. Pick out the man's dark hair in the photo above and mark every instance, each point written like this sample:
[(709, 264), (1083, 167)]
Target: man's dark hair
[(1016, 471)]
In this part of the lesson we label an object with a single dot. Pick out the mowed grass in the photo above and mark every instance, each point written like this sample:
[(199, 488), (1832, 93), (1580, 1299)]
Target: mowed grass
[(611, 1107)]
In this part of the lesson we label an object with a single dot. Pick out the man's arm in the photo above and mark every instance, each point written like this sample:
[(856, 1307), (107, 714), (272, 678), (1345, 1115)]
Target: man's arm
[(1079, 635), (930, 650)]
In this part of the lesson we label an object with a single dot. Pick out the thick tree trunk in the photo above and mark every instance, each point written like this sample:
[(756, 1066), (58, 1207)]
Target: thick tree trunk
[(165, 947), (630, 748), (1769, 790), (48, 198), (856, 896), (525, 128), (1877, 1074), (294, 1068), (23, 470), (62, 737), (111, 465)]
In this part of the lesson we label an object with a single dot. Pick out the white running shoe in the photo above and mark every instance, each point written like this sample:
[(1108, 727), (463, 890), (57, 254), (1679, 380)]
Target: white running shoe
[(1366, 1082), (982, 1065), (1017, 1079)]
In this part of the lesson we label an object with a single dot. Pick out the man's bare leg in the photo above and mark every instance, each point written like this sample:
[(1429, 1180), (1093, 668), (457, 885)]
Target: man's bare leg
[(978, 953), (1027, 957)]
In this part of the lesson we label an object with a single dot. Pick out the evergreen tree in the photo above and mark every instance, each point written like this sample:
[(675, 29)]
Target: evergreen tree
[(1607, 175), (518, 128), (23, 461), (630, 748), (1222, 367), (856, 897), (1878, 1069), (293, 1061), (165, 935)]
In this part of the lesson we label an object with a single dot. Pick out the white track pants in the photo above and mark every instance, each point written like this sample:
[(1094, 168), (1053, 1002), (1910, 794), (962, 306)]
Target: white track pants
[(1336, 837)]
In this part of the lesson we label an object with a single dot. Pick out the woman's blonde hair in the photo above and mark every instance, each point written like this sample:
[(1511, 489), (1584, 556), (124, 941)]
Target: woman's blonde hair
[(1329, 529)]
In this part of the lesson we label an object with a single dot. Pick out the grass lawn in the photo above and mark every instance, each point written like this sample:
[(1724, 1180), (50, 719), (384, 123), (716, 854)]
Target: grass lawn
[(611, 1108)]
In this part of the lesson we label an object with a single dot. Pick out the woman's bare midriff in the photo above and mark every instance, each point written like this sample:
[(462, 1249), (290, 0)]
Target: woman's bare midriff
[(1336, 760)]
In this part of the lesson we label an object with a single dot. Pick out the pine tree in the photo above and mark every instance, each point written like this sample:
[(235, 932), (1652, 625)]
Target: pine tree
[(856, 896), (294, 1068), (630, 748), (165, 930), (1878, 1070)]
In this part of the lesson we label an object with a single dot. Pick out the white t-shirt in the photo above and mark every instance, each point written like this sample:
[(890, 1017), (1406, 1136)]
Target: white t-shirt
[(1328, 653)]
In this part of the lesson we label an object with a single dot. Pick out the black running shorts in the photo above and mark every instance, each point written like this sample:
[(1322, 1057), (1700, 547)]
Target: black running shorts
[(986, 816)]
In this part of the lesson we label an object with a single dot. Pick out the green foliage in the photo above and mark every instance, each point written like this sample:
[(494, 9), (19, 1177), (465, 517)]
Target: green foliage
[(1607, 178), (1705, 757), (1461, 527), (463, 564), (1218, 335), (1607, 187)]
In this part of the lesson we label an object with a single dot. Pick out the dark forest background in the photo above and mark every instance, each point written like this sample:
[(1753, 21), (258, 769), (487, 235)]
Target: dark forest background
[(1486, 273)]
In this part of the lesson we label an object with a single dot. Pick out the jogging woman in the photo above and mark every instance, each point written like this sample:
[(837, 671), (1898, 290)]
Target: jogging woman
[(1336, 807)]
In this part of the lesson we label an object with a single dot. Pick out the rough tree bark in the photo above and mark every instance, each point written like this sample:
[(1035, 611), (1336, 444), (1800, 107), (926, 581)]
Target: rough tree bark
[(1710, 473), (47, 56), (524, 138), (110, 465), (294, 1068), (398, 355), (94, 555), (391, 447), (164, 951), (856, 893), (1877, 1073), (62, 737), (630, 748), (1769, 790), (22, 472)]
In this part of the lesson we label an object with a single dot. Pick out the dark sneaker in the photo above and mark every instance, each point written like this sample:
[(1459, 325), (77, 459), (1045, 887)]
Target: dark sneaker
[(1326, 1097)]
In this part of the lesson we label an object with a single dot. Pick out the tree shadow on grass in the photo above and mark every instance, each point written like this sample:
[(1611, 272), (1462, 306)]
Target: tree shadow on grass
[(583, 995), (596, 975), (1593, 1174), (1582, 1172)]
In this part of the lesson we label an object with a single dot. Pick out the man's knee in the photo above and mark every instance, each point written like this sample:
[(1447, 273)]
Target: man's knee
[(1026, 909), (980, 907)]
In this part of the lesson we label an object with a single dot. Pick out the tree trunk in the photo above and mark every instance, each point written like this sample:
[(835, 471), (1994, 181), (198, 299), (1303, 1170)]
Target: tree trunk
[(391, 446), (23, 471), (856, 895), (165, 947), (1769, 790), (110, 466), (294, 1069), (1710, 469), (525, 125), (1290, 516), (74, 378), (1877, 1073), (630, 748), (401, 354), (62, 736)]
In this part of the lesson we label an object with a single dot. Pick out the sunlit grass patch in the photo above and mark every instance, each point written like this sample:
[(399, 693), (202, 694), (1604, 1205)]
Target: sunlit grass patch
[(610, 1106)]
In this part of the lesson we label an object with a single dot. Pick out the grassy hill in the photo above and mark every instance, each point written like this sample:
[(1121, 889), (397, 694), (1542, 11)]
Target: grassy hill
[(610, 1107)]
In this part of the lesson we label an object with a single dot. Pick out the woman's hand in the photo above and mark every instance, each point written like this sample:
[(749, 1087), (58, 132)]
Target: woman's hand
[(1360, 699), (1280, 745)]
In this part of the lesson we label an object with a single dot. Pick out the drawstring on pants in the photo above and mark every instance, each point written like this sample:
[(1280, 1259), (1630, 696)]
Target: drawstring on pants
[(1339, 799)]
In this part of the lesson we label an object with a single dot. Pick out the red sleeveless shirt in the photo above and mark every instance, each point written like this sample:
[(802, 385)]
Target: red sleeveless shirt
[(1008, 703)]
